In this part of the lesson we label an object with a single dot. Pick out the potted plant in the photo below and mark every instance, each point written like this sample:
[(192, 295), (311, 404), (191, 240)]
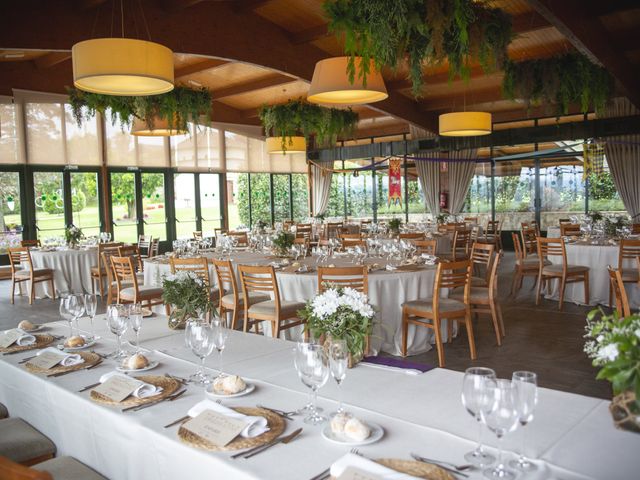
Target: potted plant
[(342, 314), (281, 243), (189, 297), (72, 236), (614, 345), (394, 225)]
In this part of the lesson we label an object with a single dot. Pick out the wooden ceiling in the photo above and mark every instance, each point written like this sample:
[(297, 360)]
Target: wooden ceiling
[(255, 52)]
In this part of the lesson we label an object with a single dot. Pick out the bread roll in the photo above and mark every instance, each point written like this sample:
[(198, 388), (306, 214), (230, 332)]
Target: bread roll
[(26, 325), (136, 362), (74, 342), (338, 422), (229, 385), (357, 430)]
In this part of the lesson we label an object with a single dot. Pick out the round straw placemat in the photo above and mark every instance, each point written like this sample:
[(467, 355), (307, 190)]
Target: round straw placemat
[(42, 341), (427, 471), (169, 386), (274, 421), (88, 357)]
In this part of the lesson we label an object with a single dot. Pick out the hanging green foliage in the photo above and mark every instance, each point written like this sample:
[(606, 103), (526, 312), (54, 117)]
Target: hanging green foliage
[(179, 106), (297, 117), (431, 31), (563, 80)]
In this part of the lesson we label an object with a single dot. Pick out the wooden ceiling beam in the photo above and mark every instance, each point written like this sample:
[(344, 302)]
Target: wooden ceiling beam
[(51, 59), (199, 67), (587, 34), (247, 5), (383, 130), (309, 35), (253, 85), (524, 114), (457, 100)]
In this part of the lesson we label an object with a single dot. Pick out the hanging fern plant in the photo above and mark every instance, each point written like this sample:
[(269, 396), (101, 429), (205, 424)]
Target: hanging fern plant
[(431, 31), (297, 117), (179, 106), (563, 80)]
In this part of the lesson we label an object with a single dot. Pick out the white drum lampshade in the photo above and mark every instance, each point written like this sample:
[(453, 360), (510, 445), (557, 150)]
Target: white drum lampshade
[(160, 128), (292, 144), (465, 124)]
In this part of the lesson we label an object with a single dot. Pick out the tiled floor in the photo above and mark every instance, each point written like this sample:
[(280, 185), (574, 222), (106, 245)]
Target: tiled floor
[(539, 338)]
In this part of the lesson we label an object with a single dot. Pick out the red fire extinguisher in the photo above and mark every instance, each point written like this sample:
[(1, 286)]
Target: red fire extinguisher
[(443, 199)]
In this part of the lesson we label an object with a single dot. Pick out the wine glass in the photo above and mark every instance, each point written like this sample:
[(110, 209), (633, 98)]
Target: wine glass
[(90, 306), (65, 314), (135, 320), (118, 323), (339, 361), (200, 338), (220, 335), (525, 386), (476, 397), (312, 364), (501, 419), (76, 308)]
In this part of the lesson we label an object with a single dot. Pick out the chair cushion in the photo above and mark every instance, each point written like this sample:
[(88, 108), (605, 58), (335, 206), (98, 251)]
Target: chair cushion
[(254, 297), (287, 309), (478, 282), (426, 305), (68, 468), (37, 272), (556, 269), (4, 413), (476, 295), (20, 442), (146, 291)]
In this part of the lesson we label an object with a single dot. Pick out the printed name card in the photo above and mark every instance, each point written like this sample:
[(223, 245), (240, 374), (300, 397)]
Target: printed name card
[(117, 388), (8, 338), (46, 360), (214, 427), (353, 473)]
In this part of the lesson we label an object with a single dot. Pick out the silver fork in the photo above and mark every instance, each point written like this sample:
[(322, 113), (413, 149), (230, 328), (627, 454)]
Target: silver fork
[(450, 467)]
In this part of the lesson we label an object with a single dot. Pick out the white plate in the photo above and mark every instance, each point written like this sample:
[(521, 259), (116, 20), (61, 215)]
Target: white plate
[(146, 312), (36, 328), (151, 365), (86, 345), (210, 393), (377, 433)]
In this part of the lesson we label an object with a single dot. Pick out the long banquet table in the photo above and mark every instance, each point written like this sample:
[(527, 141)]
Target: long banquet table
[(72, 269), (571, 437)]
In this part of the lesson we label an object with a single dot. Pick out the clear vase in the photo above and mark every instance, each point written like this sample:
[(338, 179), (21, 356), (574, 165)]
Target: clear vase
[(178, 320)]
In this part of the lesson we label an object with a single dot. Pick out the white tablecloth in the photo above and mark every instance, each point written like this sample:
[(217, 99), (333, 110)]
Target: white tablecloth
[(72, 269), (572, 436)]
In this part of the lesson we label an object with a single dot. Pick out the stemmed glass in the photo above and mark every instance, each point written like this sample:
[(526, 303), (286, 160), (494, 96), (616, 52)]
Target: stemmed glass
[(118, 324), (312, 364), (75, 307), (339, 361), (135, 319), (90, 305), (476, 397), (501, 419), (525, 386), (66, 314), (220, 335), (200, 337)]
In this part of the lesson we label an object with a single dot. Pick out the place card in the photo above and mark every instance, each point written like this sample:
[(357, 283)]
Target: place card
[(46, 360), (215, 427), (353, 473), (9, 338), (117, 388)]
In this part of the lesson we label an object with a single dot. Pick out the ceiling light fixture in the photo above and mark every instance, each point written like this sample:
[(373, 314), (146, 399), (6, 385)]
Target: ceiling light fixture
[(465, 124), (292, 144), (160, 128)]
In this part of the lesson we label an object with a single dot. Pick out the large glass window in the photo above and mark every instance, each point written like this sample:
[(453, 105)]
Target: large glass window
[(238, 200), (359, 193), (514, 194), (562, 192), (336, 206), (281, 199), (45, 144), (300, 192), (260, 198), (84, 202), (603, 195), (82, 145), (9, 152), (153, 205), (10, 211), (416, 201), (185, 204), (210, 202), (478, 202), (123, 204), (49, 200)]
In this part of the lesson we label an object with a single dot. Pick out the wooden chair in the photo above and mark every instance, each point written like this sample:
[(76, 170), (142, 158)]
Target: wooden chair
[(617, 285), (562, 221), (350, 240), (431, 311), (197, 235), (30, 243), (304, 230), (481, 257), (112, 284), (22, 271), (243, 240), (485, 299), (352, 277), (286, 225), (635, 229), (144, 245), (281, 314), (129, 290), (231, 299), (460, 245), (22, 443), (333, 229), (475, 234), (563, 272), (199, 266), (534, 224), (365, 225), (411, 236), (471, 220), (132, 251), (63, 467), (569, 229), (493, 234), (628, 251), (529, 241), (430, 247), (155, 248), (303, 241), (99, 272), (525, 265)]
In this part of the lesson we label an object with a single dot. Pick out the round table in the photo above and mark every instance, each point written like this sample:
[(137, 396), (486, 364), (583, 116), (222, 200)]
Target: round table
[(71, 267), (388, 290)]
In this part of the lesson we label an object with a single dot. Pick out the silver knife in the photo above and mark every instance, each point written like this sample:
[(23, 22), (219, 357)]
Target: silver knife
[(285, 439), (439, 465)]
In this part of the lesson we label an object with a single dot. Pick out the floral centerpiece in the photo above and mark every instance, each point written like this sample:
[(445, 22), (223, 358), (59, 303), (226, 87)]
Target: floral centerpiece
[(394, 225), (612, 225), (614, 345), (442, 218), (73, 235), (282, 242), (341, 313), (595, 216), (188, 296)]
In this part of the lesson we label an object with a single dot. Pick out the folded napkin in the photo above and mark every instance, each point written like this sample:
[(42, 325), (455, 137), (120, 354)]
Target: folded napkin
[(143, 391), (391, 268), (369, 466), (66, 359), (255, 425), (25, 338)]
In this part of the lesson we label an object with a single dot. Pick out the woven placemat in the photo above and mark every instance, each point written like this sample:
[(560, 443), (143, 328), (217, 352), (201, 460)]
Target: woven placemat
[(276, 427), (169, 386), (88, 357), (42, 340), (427, 471)]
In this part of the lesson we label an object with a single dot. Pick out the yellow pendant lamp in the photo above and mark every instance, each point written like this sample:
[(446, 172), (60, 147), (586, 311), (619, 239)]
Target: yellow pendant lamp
[(465, 124), (331, 85), (160, 128), (122, 66), (292, 144)]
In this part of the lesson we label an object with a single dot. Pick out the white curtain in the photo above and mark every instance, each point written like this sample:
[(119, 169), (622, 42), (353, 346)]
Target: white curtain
[(461, 172), (428, 173), (623, 158), (321, 186)]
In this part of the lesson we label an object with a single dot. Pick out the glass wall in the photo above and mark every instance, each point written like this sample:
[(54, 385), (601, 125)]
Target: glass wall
[(211, 215), (123, 207), (260, 198), (300, 193), (238, 200), (603, 195), (49, 201), (85, 205), (185, 204), (514, 196), (562, 193), (478, 202), (10, 211), (153, 205), (281, 198), (336, 207)]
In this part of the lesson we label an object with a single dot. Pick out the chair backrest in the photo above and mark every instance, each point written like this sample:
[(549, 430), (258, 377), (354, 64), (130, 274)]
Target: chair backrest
[(451, 275), (145, 238), (226, 277), (197, 235), (19, 257), (106, 246), (155, 247), (482, 256), (106, 255), (261, 279), (242, 238), (475, 233), (219, 231), (493, 227), (30, 243), (426, 246), (461, 242), (303, 234), (124, 270), (286, 225), (352, 277), (411, 236), (493, 275), (562, 221), (617, 285), (635, 228), (529, 240), (453, 226), (132, 251), (332, 230), (470, 219), (303, 241), (198, 265), (551, 247), (569, 229), (353, 242), (14, 471), (303, 227), (534, 224), (517, 247), (627, 252)]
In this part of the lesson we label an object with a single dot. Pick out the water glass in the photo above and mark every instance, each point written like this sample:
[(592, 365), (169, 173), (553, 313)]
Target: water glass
[(220, 335), (525, 386), (90, 306), (477, 389), (75, 307), (200, 337), (501, 419), (65, 314), (312, 364), (118, 322), (135, 320), (339, 362)]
